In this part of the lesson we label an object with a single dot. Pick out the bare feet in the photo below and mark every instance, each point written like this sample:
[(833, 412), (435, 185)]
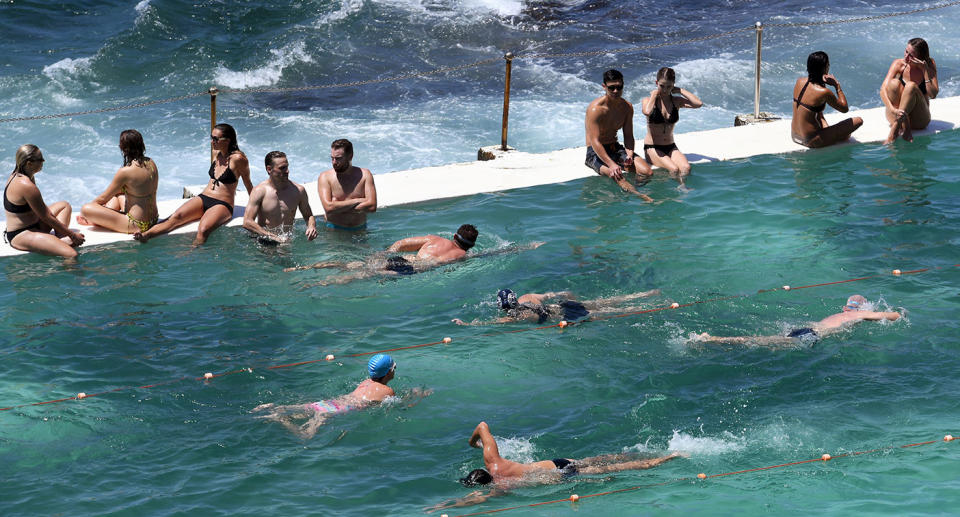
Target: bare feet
[(900, 127), (83, 220)]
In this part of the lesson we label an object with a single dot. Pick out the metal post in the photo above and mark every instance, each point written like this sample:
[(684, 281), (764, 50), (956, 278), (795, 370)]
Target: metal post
[(756, 87), (213, 91), (506, 101)]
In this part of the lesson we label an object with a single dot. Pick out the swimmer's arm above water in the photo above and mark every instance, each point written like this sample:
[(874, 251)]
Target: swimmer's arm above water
[(409, 244), (878, 316)]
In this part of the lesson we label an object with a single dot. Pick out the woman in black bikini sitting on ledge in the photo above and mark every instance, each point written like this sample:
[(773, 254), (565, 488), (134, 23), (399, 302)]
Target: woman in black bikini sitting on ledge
[(29, 219), (214, 207), (810, 97), (662, 111)]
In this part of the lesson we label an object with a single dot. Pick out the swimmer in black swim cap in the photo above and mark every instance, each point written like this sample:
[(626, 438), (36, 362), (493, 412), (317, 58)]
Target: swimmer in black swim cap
[(532, 306), (503, 473)]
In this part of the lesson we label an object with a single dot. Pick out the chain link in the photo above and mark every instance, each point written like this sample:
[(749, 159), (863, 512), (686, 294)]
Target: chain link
[(634, 49), (368, 81), (865, 18), (448, 69), (105, 110)]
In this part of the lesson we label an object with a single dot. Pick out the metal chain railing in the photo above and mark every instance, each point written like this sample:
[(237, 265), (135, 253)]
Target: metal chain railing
[(634, 49), (402, 77), (105, 110), (866, 18)]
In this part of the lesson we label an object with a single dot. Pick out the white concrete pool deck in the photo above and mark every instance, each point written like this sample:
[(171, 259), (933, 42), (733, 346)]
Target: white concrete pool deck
[(517, 169)]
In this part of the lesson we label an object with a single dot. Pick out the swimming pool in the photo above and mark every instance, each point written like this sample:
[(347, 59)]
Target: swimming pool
[(131, 315)]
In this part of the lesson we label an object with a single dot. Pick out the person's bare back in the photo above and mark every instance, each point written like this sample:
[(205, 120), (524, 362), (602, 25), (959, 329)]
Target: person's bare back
[(853, 312)]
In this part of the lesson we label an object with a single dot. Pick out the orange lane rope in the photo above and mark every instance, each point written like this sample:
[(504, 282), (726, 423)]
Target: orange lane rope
[(448, 340), (573, 498)]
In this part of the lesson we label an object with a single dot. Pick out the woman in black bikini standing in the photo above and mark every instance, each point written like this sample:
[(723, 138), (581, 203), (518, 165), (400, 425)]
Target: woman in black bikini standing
[(214, 207), (810, 96), (907, 89), (29, 219), (662, 111)]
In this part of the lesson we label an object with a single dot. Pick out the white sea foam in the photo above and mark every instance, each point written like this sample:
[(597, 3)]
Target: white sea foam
[(705, 445), (517, 449), (268, 74), (68, 68), (347, 8), (142, 6)]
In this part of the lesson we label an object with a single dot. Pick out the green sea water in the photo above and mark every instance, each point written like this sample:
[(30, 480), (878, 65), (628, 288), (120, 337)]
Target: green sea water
[(133, 315)]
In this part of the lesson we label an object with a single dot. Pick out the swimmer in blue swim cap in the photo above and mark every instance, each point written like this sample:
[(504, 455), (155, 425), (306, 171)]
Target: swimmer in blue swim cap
[(502, 474), (381, 369), (856, 309), (533, 306)]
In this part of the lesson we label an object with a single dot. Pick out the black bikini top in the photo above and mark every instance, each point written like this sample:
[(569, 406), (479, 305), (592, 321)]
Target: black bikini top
[(9, 206), (922, 85), (815, 109), (227, 177), (656, 115)]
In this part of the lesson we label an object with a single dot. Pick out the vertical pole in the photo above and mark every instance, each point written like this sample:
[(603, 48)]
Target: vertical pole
[(506, 101), (756, 86), (213, 114)]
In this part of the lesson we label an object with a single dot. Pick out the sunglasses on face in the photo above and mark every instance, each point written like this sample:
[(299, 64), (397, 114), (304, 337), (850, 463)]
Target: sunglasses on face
[(615, 87)]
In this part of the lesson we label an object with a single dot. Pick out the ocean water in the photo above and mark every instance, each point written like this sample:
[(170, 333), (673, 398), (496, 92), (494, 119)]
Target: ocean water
[(129, 315)]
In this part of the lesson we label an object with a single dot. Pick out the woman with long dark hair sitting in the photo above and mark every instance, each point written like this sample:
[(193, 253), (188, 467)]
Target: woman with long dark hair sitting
[(810, 97)]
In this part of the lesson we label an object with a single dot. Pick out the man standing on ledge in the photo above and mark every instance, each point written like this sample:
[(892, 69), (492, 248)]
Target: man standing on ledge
[(346, 192), (605, 116), (273, 204)]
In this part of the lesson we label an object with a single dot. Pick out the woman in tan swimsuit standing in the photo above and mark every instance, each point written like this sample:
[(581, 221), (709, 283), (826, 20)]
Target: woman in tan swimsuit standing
[(129, 204), (810, 97)]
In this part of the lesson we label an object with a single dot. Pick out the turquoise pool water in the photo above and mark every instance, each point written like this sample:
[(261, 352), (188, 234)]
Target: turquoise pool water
[(131, 315)]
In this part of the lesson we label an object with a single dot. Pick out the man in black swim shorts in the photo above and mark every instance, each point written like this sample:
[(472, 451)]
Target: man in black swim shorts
[(505, 473), (857, 309), (606, 115), (532, 306)]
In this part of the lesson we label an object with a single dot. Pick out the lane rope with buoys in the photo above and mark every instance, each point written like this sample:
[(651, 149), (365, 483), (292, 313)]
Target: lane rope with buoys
[(447, 340), (703, 477)]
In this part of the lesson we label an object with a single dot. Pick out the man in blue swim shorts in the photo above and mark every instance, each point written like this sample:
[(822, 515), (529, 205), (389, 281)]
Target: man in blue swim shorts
[(606, 115), (506, 474), (857, 309), (347, 192)]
